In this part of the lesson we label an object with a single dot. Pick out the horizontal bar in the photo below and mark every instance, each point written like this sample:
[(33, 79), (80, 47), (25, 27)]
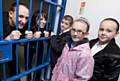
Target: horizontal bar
[(27, 72), (2, 42), (53, 3), (4, 60)]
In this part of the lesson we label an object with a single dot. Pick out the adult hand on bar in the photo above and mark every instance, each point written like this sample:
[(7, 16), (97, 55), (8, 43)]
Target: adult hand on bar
[(28, 34), (15, 34), (46, 33), (37, 34)]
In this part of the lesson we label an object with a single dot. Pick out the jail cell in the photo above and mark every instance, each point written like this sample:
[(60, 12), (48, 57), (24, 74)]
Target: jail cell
[(9, 48)]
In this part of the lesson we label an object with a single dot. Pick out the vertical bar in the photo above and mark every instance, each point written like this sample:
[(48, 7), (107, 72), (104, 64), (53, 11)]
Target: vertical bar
[(28, 44), (64, 5), (48, 17), (44, 51), (49, 52), (1, 37), (36, 55), (54, 15), (43, 58), (1, 21), (40, 9), (61, 14), (47, 60), (17, 13), (27, 57), (17, 58), (4, 71), (30, 12)]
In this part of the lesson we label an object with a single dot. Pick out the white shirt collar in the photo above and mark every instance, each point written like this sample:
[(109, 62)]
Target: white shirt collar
[(102, 46), (97, 47), (65, 31)]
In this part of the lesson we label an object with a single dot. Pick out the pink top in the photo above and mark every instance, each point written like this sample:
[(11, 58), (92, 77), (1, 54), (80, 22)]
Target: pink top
[(75, 64)]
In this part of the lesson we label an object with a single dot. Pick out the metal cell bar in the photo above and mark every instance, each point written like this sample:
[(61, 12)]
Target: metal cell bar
[(48, 17), (30, 12), (27, 57), (28, 44), (54, 16), (61, 14), (4, 72), (1, 21), (54, 3), (17, 13), (36, 55), (48, 60), (17, 66), (27, 72), (40, 10), (23, 40)]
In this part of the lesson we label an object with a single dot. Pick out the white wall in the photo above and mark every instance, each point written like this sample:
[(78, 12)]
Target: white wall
[(95, 11)]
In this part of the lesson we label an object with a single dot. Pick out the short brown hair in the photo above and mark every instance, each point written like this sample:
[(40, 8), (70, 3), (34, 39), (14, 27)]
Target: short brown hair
[(13, 6), (69, 18)]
